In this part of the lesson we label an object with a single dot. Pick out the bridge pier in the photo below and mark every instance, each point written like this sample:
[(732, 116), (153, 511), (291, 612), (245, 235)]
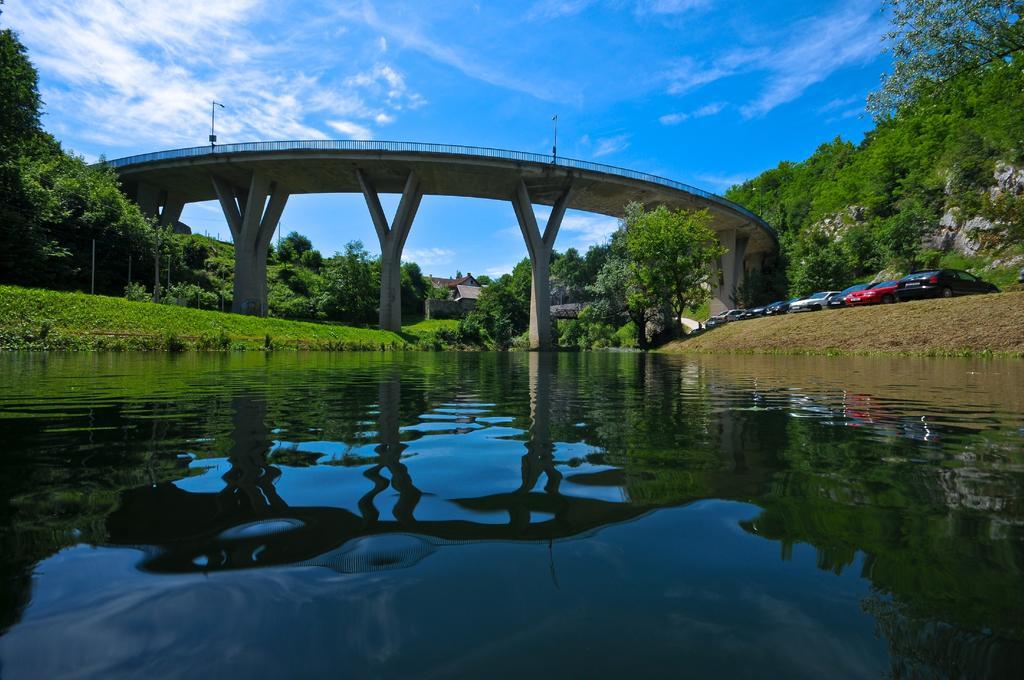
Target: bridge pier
[(252, 215), (392, 241), (539, 247), (732, 270), (165, 206)]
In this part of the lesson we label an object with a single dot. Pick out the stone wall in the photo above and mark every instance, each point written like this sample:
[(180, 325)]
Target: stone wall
[(448, 309)]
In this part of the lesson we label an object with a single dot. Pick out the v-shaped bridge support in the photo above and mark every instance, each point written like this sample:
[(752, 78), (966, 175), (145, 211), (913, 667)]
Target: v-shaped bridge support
[(252, 213), (539, 247), (392, 240)]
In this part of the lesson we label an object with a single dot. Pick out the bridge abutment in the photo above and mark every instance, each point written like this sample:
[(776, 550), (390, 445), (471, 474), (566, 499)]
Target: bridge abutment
[(252, 214), (539, 247), (392, 241)]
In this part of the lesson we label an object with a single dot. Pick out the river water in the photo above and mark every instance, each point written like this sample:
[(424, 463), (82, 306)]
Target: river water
[(575, 515)]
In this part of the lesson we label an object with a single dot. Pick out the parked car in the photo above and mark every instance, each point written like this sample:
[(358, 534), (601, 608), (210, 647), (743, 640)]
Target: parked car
[(882, 292), (840, 300), (716, 320), (814, 302), (941, 283), (779, 307), (754, 313), (735, 314)]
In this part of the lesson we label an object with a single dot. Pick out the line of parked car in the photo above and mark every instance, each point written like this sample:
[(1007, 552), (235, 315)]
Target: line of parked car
[(928, 283)]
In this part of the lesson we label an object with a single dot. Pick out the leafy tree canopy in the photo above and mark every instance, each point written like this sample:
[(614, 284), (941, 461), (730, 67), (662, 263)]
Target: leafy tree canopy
[(934, 41)]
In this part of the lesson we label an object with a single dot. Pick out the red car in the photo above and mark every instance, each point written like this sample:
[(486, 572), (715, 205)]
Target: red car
[(883, 292)]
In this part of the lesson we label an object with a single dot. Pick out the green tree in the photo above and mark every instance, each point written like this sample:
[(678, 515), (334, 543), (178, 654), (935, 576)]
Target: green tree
[(671, 255), (617, 296), (20, 102), (349, 288), (503, 310), (901, 234), (819, 262), (934, 41), (415, 288), (568, 270), (293, 246)]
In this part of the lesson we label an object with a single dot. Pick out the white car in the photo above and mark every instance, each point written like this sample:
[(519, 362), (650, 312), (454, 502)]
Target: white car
[(814, 302)]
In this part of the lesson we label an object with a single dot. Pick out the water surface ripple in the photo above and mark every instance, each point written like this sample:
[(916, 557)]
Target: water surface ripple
[(596, 514)]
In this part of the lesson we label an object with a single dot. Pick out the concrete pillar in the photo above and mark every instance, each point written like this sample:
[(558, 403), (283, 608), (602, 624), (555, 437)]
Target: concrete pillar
[(392, 241), (252, 215), (739, 263), (163, 205), (147, 197), (173, 204), (724, 280), (539, 248)]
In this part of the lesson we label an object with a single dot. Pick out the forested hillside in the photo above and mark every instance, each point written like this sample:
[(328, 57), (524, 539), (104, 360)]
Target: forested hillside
[(940, 182)]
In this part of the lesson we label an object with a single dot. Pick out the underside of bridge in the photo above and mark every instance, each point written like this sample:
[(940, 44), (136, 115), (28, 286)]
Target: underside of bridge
[(253, 183)]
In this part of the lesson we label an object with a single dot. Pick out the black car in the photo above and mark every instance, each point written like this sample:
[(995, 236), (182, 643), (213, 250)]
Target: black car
[(779, 307), (941, 283), (840, 300)]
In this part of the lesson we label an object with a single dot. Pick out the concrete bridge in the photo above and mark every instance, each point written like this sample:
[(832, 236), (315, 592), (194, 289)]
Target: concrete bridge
[(253, 181)]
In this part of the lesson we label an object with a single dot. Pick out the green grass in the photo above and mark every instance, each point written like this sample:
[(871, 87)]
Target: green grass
[(430, 326), (44, 319)]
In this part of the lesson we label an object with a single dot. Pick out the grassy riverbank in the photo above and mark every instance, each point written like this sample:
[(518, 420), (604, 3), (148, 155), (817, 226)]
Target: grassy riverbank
[(976, 325), (36, 319)]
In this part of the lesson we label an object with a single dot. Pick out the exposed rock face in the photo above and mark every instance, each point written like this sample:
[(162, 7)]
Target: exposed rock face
[(1009, 180), (836, 225), (968, 236), (955, 234)]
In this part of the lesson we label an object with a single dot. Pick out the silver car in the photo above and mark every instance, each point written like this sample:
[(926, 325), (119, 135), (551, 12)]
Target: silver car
[(814, 302)]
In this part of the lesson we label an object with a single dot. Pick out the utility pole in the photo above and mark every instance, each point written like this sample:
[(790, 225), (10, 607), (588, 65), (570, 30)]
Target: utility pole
[(93, 284), (129, 268), (554, 145), (156, 269), (213, 122)]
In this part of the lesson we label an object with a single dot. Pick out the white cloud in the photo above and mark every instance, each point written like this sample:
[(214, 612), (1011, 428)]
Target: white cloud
[(720, 182), (428, 257), (142, 74), (554, 9), (578, 230), (605, 146), (473, 66), (671, 6), (816, 48), (702, 112), (687, 74), (350, 129), (839, 103), (500, 270), (823, 46), (583, 231)]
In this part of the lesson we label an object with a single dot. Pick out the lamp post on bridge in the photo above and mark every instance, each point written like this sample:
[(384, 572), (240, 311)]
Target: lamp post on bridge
[(213, 122), (554, 145)]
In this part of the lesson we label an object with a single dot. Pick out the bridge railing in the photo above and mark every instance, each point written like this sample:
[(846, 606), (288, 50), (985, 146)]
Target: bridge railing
[(421, 147)]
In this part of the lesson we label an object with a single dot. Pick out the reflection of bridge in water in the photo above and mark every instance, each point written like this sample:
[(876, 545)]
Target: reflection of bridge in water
[(248, 524)]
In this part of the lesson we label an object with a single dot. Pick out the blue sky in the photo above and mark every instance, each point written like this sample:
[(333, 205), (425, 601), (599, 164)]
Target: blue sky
[(707, 92)]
